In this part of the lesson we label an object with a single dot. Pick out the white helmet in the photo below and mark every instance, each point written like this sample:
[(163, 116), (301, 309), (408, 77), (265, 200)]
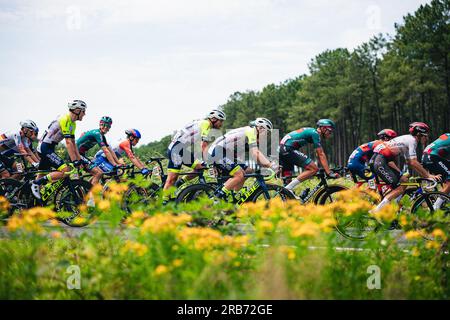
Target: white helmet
[(29, 124), (262, 122), (77, 104), (218, 114)]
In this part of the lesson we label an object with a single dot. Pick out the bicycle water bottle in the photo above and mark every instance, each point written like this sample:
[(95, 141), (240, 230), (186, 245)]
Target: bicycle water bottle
[(19, 167), (372, 184), (155, 171)]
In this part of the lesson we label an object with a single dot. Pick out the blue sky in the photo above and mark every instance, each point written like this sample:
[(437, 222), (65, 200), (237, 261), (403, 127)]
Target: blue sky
[(155, 65)]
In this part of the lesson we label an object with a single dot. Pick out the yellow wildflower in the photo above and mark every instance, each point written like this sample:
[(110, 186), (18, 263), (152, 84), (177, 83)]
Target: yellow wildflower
[(438, 234), (432, 245), (135, 247), (104, 205), (161, 270), (413, 234), (177, 263)]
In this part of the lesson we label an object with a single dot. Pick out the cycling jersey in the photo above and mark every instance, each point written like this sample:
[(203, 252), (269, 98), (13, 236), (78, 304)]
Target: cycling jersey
[(60, 129), (364, 152), (440, 147), (9, 143), (195, 131), (301, 137), (401, 146), (90, 139), (123, 148), (237, 139)]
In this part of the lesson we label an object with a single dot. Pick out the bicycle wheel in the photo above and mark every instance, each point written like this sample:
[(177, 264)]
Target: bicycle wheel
[(423, 209), (357, 227), (328, 195), (275, 191), (194, 192), (137, 198), (68, 200)]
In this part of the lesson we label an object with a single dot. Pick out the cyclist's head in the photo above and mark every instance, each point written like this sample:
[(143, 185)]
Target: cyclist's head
[(133, 135), (262, 124), (30, 129), (387, 134), (326, 127), (217, 117), (78, 107), (105, 124), (419, 129)]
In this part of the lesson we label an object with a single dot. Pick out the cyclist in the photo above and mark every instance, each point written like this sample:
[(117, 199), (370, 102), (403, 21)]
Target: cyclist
[(436, 160), (291, 156), (382, 161), (185, 143), (227, 153), (124, 148), (60, 129), (359, 157), (18, 142), (97, 137)]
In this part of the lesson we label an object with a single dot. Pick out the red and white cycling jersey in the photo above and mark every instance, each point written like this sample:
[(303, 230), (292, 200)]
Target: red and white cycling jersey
[(405, 146)]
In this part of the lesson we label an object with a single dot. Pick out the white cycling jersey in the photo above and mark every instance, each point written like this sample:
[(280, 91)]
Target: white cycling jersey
[(237, 139), (194, 132), (10, 142), (405, 146)]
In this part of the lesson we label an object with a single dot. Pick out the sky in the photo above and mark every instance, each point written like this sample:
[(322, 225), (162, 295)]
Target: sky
[(156, 65)]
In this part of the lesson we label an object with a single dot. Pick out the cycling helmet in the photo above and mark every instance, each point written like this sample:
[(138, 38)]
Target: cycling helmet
[(29, 124), (106, 120), (419, 128), (77, 104), (262, 122), (218, 114), (133, 133), (387, 134), (326, 123)]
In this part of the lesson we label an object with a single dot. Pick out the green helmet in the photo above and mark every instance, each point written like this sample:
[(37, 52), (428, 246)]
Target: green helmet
[(106, 120), (326, 123)]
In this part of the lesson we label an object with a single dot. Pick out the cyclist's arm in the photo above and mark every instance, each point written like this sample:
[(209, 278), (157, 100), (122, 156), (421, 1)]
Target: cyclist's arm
[(109, 156), (259, 157), (413, 163), (114, 156), (129, 152), (205, 149), (135, 160), (394, 166), (323, 160), (72, 149), (31, 157)]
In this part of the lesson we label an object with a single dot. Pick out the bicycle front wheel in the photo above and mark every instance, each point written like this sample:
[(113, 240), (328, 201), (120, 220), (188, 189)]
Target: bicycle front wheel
[(423, 210), (195, 192)]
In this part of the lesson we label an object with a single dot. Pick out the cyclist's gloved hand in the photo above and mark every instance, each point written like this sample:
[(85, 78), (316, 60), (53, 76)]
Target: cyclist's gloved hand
[(77, 163), (35, 165), (145, 171)]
